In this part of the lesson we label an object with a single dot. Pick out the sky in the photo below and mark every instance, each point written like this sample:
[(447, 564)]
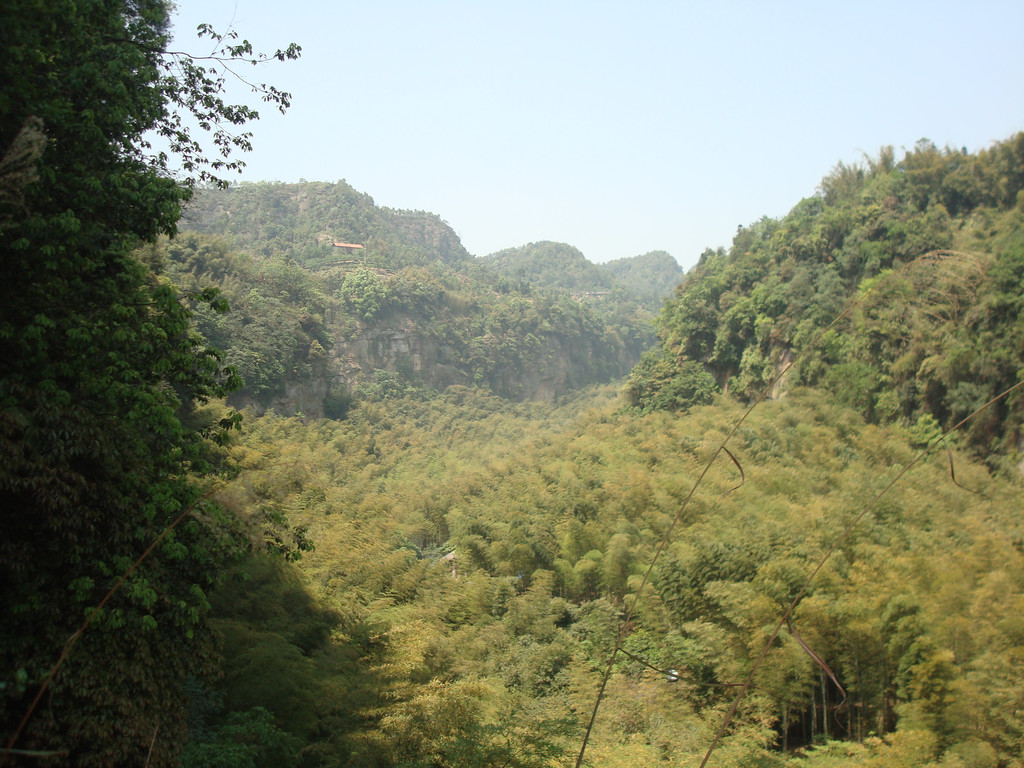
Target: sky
[(616, 127)]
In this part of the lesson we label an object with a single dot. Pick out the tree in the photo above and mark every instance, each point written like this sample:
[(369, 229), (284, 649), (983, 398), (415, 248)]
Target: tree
[(100, 376), (658, 383), (364, 292)]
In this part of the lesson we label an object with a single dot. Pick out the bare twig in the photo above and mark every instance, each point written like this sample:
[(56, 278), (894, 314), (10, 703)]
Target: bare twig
[(816, 658), (152, 743), (952, 471), (674, 674), (743, 477)]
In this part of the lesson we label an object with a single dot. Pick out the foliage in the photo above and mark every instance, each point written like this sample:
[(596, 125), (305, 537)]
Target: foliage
[(101, 376), (246, 740), (377, 324), (276, 331), (936, 336), (638, 281), (549, 264), (651, 276), (655, 384), (364, 292), (193, 93), (477, 556)]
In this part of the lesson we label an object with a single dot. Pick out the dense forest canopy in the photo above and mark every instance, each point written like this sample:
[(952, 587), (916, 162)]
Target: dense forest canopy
[(408, 311), (473, 561), (445, 529), (474, 558), (936, 239)]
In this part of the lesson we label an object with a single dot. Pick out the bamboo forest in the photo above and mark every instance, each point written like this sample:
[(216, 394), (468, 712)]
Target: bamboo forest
[(291, 479)]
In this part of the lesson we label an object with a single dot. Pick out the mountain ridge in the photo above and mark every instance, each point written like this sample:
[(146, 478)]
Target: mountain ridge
[(409, 310)]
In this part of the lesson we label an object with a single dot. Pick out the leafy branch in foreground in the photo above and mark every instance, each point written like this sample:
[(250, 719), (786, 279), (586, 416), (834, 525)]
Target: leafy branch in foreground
[(197, 90), (101, 376)]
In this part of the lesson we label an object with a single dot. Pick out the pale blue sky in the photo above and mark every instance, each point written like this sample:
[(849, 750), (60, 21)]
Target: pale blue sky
[(616, 127)]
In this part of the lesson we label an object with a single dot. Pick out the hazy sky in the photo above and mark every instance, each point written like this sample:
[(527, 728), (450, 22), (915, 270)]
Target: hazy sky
[(616, 127)]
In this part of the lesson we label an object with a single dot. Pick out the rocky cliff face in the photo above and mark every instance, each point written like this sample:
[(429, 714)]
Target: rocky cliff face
[(302, 398), (553, 370), (414, 356), (398, 348), (560, 367)]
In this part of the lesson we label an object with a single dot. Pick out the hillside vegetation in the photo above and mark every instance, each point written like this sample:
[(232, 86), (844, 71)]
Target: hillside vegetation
[(301, 222), (271, 502), (475, 561), (315, 326), (642, 280), (933, 243)]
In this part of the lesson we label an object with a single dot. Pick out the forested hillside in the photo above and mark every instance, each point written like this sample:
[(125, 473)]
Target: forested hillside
[(271, 502), (301, 222), (475, 562), (316, 326), (652, 277), (934, 246), (644, 281), (548, 263)]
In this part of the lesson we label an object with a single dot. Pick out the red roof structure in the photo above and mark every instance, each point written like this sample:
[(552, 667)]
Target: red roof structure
[(347, 245)]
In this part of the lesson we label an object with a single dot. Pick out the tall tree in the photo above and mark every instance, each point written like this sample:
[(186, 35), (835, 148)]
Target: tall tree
[(99, 373)]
